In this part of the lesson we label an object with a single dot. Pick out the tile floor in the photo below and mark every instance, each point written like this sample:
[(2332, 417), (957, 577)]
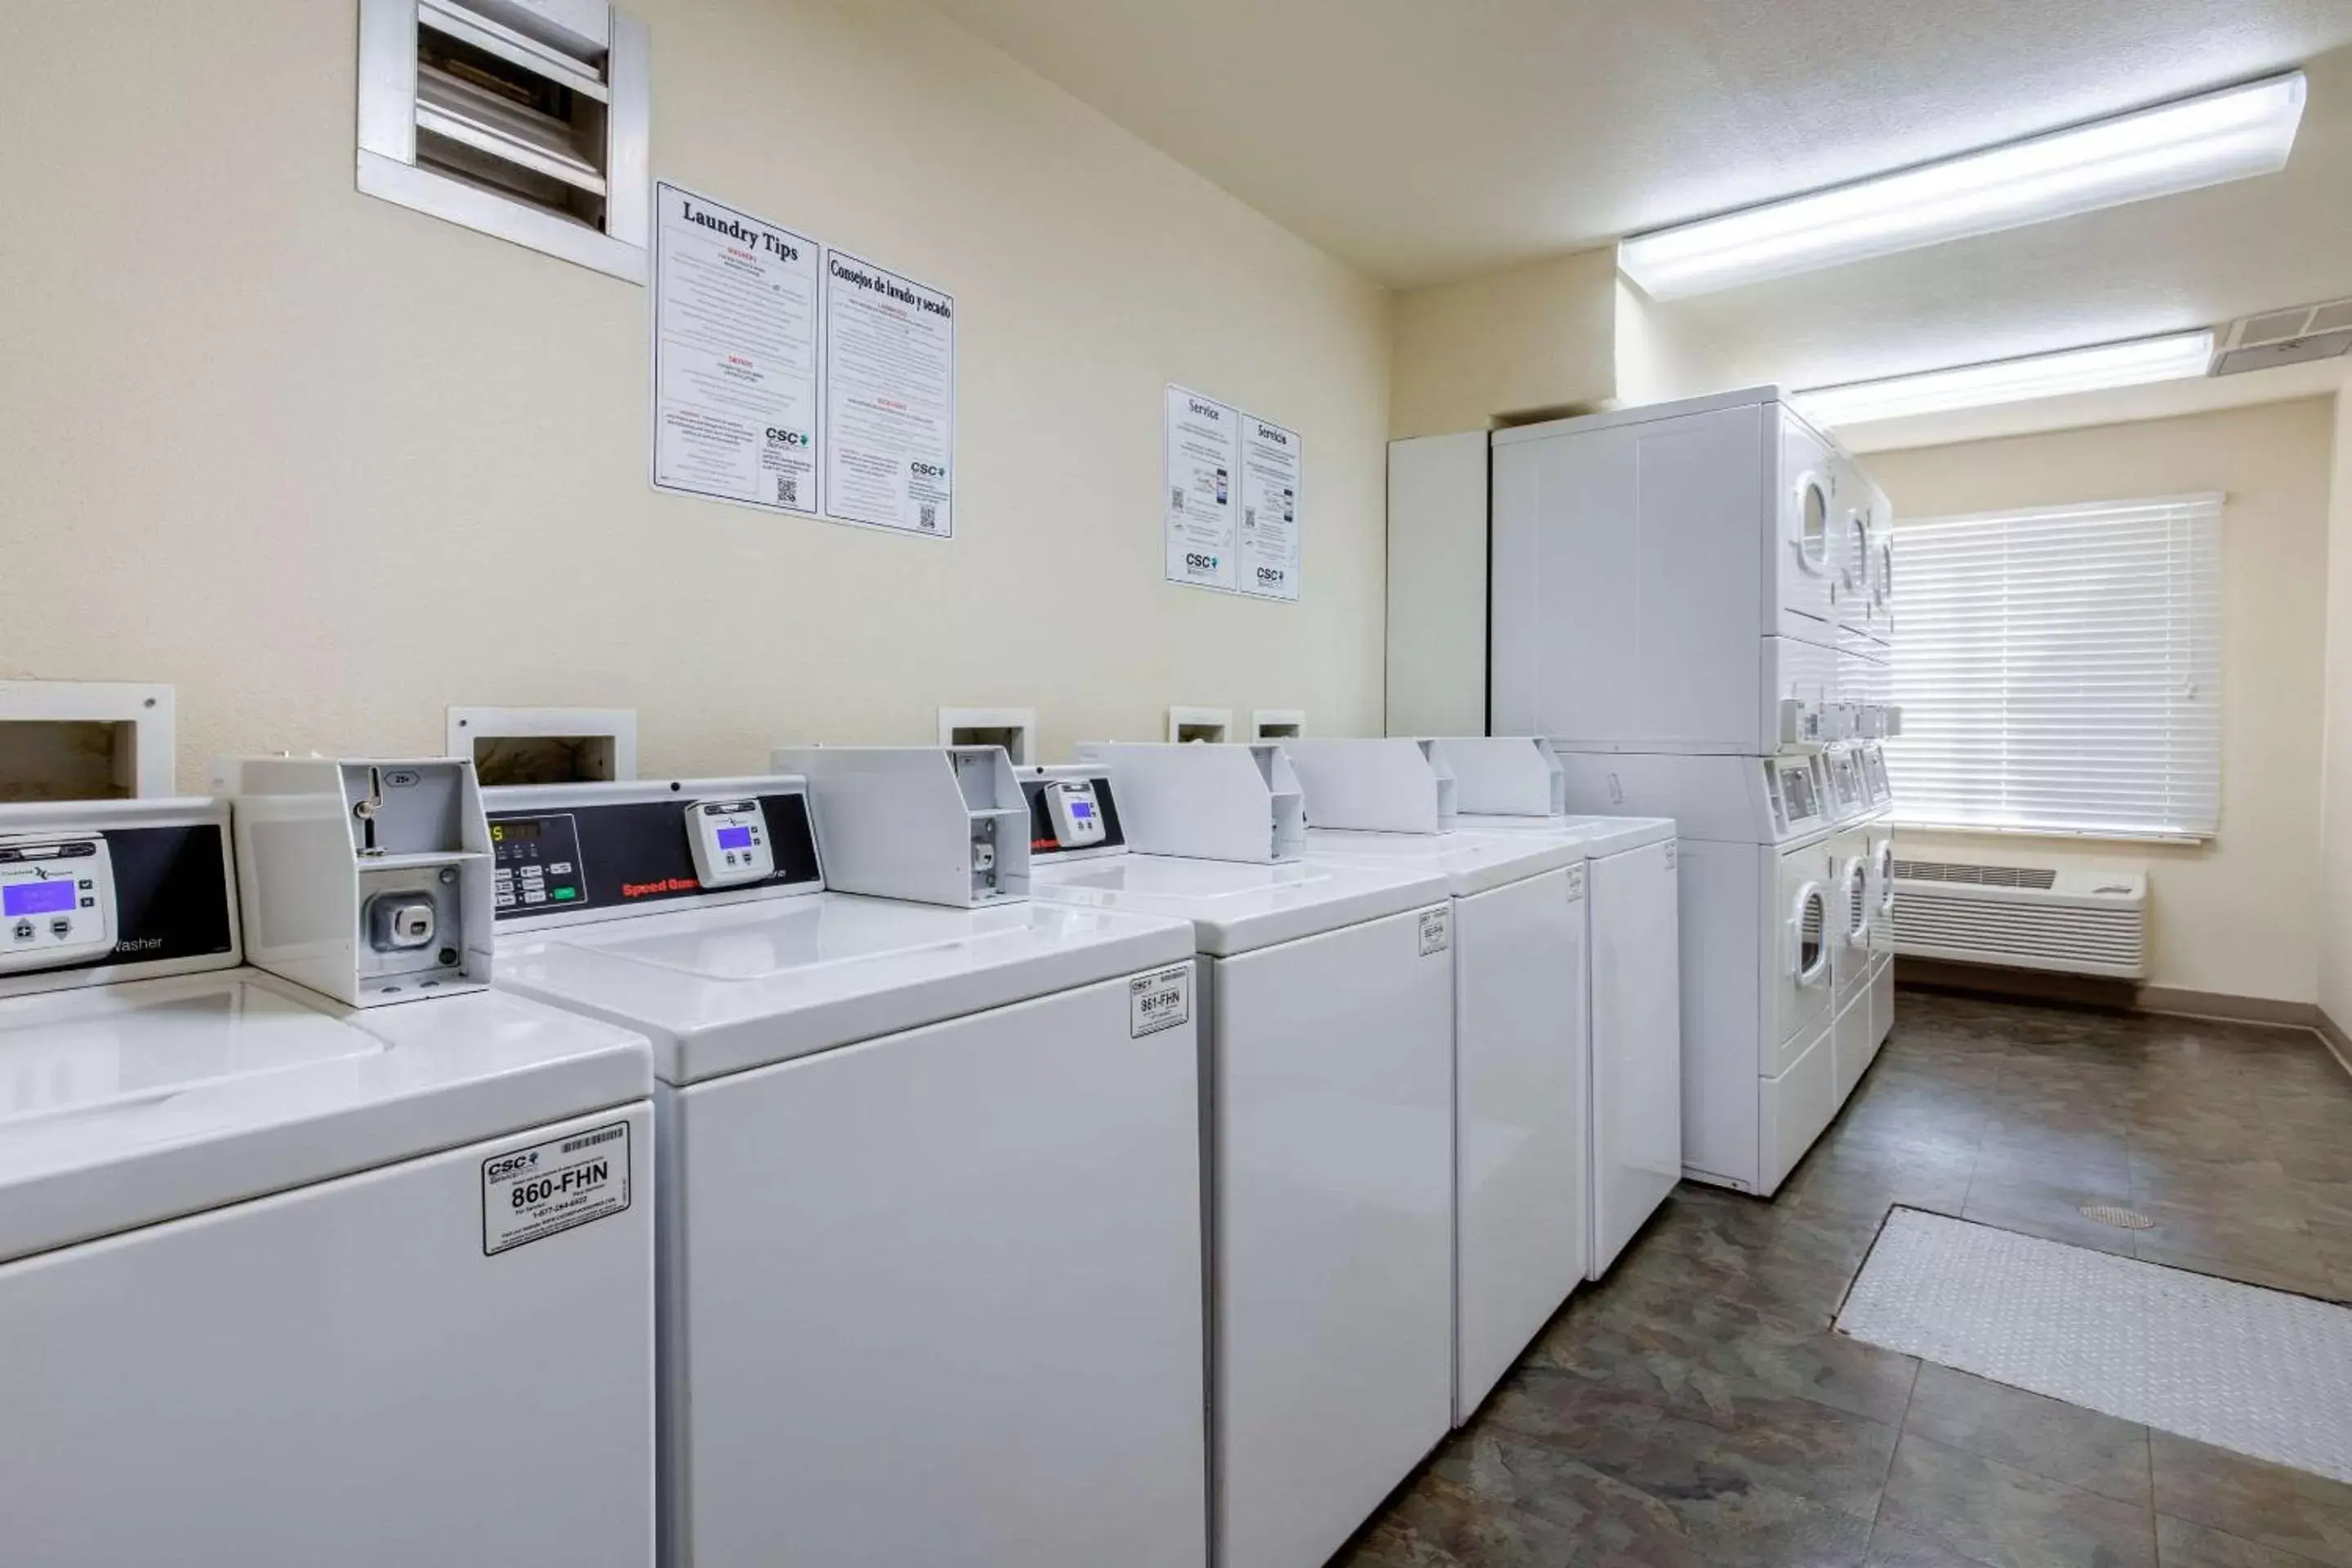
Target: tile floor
[(1695, 1408)]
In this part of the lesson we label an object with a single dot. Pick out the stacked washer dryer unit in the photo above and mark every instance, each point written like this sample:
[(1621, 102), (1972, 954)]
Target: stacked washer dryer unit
[(341, 1258), (1326, 1036), (1522, 1207), (1631, 1023), (1681, 603), (931, 1252)]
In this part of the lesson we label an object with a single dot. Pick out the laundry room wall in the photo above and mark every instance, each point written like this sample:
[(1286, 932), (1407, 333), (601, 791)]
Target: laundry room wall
[(1530, 340), (2336, 788), (329, 464), (2242, 916)]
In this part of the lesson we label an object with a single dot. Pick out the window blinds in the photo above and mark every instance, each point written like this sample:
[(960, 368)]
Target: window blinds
[(2059, 670)]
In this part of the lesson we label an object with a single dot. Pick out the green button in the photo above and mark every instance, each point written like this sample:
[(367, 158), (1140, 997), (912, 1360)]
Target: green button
[(563, 893)]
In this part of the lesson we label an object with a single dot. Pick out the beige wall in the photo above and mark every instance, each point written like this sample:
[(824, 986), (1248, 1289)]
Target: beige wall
[(329, 464), (1660, 354), (2242, 915), (2336, 799), (1534, 339)]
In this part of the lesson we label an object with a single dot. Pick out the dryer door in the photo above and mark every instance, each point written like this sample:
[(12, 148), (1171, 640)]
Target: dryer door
[(1851, 904), (1807, 549), (1804, 932)]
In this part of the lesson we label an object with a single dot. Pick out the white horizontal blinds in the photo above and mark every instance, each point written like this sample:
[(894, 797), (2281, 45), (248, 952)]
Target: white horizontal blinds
[(2059, 670)]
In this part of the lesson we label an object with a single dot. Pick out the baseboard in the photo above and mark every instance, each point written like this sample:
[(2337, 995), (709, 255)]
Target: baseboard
[(2331, 1034), (2092, 990)]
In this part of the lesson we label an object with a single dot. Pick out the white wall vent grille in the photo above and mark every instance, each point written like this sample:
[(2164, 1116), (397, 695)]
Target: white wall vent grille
[(523, 119), (2076, 923)]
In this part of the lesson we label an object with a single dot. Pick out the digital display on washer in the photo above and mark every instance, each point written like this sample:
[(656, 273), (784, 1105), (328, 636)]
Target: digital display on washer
[(1081, 810), (734, 838), (52, 897)]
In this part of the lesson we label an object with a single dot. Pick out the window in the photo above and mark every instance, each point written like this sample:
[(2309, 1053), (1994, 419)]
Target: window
[(2059, 670)]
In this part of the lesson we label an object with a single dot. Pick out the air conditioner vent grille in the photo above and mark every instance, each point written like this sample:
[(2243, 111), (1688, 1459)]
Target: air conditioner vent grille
[(2022, 916), (1975, 876)]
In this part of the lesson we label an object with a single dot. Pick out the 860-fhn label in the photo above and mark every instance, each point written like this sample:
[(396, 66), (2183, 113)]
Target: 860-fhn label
[(531, 1193)]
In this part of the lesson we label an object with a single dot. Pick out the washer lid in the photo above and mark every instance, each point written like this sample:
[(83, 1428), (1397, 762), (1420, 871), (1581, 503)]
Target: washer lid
[(1470, 861), (124, 1105), (1595, 837), (1236, 907), (720, 989)]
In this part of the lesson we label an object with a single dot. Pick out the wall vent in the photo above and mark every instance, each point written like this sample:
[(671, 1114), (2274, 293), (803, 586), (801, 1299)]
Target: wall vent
[(2285, 337), (2077, 922), (523, 119)]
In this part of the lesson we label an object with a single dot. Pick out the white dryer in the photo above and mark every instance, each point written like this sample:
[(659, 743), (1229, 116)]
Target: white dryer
[(1879, 830), (1329, 1043), (1674, 578), (289, 1281), (930, 1280), (1759, 879)]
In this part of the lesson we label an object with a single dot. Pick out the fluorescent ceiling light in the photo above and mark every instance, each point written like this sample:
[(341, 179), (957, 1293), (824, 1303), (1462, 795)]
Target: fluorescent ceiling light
[(2205, 140), (2134, 363)]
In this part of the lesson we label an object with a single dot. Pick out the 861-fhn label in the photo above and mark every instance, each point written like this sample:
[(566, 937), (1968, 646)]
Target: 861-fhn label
[(1159, 1001), (531, 1193)]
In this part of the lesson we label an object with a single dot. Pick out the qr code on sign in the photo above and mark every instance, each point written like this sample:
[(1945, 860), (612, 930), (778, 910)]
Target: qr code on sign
[(788, 491), (1176, 499), (926, 515)]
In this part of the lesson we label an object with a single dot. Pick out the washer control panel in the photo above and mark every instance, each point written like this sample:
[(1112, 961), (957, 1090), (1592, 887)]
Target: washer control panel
[(1075, 812), (536, 862), (729, 841), (56, 901)]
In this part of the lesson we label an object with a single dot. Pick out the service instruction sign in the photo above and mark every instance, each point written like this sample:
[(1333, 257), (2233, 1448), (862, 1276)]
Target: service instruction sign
[(1200, 448), (736, 313), (528, 1195), (1268, 555), (889, 399)]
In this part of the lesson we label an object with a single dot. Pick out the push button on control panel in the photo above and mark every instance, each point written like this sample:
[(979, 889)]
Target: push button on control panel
[(536, 864)]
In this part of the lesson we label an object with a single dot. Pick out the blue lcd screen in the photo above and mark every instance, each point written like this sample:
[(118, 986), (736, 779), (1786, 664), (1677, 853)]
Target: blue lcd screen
[(734, 838), (1081, 810), (38, 898)]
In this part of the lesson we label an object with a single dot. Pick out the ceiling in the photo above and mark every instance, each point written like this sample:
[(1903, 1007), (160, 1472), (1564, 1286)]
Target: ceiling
[(1423, 143)]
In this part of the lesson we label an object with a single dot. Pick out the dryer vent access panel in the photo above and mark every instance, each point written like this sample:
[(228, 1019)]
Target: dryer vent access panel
[(523, 119)]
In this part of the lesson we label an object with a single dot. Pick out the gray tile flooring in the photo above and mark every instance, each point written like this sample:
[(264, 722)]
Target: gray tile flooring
[(1695, 1408)]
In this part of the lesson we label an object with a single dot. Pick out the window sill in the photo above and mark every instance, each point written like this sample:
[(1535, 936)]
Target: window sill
[(2062, 835)]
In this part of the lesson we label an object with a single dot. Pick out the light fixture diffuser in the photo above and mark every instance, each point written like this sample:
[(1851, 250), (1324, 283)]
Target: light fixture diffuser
[(2216, 137), (2172, 358)]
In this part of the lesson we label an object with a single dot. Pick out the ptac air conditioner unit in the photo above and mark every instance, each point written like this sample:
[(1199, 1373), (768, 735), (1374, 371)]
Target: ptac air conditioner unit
[(2078, 922)]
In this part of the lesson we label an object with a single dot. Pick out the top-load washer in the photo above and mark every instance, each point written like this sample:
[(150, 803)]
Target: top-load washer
[(1759, 893), (1514, 786), (1667, 579), (1326, 1031), (930, 1207), (1521, 1123), (292, 1277)]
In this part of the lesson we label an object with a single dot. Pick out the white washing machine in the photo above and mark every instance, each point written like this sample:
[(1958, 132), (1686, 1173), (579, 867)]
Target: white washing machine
[(930, 1261), (1522, 1120), (1678, 578), (1327, 1035), (284, 1279), (1633, 1018), (1758, 875)]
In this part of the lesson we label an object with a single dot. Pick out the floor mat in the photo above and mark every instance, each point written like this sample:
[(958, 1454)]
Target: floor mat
[(2262, 1372)]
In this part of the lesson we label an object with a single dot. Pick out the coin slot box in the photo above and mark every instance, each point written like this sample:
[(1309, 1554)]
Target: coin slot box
[(370, 881)]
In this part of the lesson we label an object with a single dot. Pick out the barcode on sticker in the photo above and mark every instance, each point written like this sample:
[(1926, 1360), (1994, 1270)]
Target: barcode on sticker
[(788, 491), (1159, 1001), (1437, 933)]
